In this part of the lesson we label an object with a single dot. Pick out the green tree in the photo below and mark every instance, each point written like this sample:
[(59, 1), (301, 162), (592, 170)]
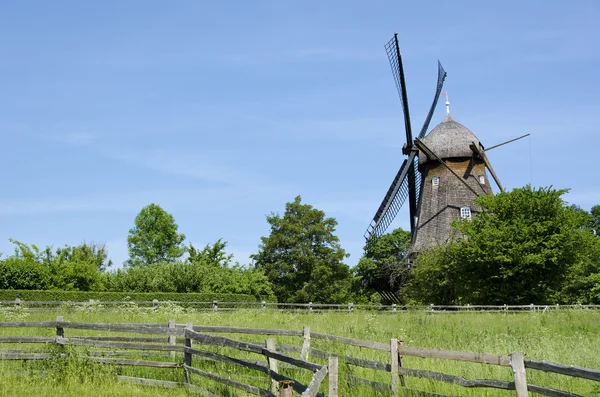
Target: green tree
[(383, 265), (154, 238), (518, 250), (302, 256), (68, 268), (595, 223)]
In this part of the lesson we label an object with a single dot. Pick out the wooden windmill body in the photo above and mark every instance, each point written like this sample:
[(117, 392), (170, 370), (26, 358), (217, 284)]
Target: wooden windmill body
[(452, 176)]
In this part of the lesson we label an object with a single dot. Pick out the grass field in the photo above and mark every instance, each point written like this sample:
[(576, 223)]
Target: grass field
[(567, 337)]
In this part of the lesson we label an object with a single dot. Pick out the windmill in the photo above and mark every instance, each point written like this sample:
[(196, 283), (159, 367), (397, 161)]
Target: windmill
[(442, 175)]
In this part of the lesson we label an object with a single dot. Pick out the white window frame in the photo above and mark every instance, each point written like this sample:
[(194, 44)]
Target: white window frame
[(482, 179), (465, 212), (435, 181)]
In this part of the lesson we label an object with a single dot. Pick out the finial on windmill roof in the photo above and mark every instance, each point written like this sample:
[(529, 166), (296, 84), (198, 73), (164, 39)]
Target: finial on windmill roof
[(447, 102)]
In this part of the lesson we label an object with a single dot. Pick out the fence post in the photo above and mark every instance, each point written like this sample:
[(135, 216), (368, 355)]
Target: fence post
[(154, 304), (518, 367), (272, 345), (263, 305), (394, 308), (90, 304), (171, 338), (310, 307), (505, 307), (402, 380), (333, 376), (395, 372), (60, 331), (187, 356), (286, 388), (306, 344), (350, 307), (17, 303), (215, 306)]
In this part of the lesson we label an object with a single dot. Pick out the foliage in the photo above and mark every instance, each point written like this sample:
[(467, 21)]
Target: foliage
[(208, 270), (22, 273), (595, 220), (67, 268), (86, 296), (517, 251), (383, 264), (154, 238), (302, 256)]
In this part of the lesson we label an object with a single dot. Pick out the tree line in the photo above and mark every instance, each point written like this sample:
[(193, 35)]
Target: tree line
[(526, 246)]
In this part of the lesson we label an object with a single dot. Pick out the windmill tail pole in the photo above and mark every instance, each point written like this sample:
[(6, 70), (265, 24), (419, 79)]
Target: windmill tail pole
[(504, 143)]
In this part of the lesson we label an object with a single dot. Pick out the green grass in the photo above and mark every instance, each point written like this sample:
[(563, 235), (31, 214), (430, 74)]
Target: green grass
[(568, 337)]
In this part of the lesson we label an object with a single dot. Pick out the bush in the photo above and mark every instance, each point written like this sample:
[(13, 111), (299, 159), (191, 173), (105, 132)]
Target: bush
[(84, 296)]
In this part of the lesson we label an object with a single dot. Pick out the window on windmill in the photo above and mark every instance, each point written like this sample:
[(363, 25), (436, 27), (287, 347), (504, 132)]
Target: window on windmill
[(465, 212), (482, 179), (435, 181)]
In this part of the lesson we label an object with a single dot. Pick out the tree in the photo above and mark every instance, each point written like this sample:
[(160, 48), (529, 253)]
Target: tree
[(76, 268), (595, 224), (303, 258), (154, 237), (518, 250), (383, 264)]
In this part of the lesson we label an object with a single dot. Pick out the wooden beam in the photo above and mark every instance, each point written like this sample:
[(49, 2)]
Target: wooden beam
[(478, 150)]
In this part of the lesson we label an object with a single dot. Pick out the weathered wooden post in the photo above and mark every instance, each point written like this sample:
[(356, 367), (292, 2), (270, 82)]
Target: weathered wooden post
[(187, 355), (272, 345), (517, 364), (394, 308), (333, 376), (215, 306), (395, 372), (402, 381), (306, 343), (60, 331), (286, 388), (171, 338)]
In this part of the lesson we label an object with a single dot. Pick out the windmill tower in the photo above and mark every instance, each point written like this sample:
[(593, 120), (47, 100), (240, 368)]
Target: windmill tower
[(443, 174), (452, 163)]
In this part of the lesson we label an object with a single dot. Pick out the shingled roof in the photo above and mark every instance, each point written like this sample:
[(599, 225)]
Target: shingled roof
[(449, 139)]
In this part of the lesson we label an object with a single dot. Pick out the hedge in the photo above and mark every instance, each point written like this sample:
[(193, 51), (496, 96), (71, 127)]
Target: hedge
[(85, 296)]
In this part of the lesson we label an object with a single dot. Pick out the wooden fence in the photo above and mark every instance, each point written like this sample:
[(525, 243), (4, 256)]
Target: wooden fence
[(188, 340), (306, 307)]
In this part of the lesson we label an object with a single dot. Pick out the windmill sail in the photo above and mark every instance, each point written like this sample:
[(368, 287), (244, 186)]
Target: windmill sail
[(438, 91), (393, 200)]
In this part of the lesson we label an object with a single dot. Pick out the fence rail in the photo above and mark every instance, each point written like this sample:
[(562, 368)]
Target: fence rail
[(193, 338), (308, 307)]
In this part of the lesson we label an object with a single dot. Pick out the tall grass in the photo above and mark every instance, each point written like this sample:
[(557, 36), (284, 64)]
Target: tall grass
[(569, 337)]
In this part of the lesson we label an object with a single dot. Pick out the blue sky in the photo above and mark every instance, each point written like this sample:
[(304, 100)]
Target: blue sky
[(221, 112)]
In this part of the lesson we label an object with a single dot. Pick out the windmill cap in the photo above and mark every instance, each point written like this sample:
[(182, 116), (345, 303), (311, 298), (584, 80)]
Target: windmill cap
[(449, 139)]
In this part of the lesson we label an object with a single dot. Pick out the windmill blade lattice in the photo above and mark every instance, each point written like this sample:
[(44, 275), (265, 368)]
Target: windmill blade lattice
[(440, 83), (392, 202)]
